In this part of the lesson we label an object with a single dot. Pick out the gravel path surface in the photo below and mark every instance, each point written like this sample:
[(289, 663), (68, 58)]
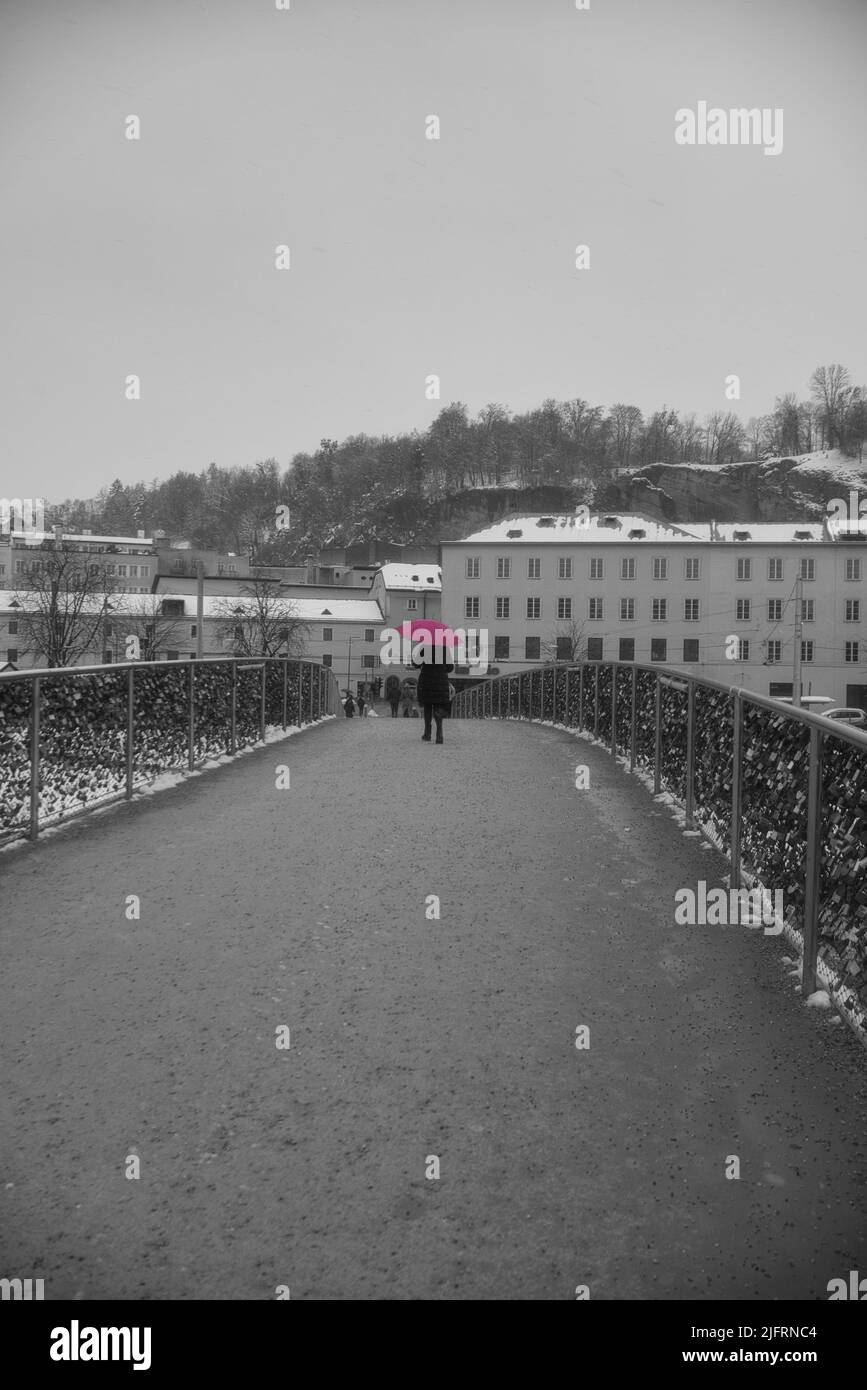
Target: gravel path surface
[(411, 1037)]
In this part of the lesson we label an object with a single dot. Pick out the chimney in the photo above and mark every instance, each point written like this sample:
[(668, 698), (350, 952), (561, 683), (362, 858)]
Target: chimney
[(311, 569)]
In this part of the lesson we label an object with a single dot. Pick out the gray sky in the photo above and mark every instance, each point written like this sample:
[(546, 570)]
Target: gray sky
[(409, 256)]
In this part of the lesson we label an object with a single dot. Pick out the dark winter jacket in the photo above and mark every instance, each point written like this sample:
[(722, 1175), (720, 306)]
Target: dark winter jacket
[(433, 682)]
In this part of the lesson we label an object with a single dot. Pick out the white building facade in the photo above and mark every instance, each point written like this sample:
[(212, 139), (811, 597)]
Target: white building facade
[(717, 601)]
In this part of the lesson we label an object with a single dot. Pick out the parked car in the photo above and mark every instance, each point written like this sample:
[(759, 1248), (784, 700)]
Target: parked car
[(846, 715)]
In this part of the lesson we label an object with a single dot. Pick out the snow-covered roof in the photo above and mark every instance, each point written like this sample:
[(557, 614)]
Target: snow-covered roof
[(37, 538), (605, 528), (218, 606), (578, 526), (398, 575)]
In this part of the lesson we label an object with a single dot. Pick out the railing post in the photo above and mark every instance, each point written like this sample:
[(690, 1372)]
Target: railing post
[(310, 709), (262, 704), (813, 884), (300, 688), (581, 696), (35, 698), (657, 739), (613, 710), (737, 772), (233, 728), (689, 795), (520, 694), (554, 696), (596, 701), (632, 719), (568, 675), (285, 688), (191, 749), (130, 729)]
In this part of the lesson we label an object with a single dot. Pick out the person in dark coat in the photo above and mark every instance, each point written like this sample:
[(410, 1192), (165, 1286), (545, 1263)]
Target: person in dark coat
[(392, 694), (433, 694)]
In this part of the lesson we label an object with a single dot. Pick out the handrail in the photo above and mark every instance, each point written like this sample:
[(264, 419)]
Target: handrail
[(784, 794), (82, 736)]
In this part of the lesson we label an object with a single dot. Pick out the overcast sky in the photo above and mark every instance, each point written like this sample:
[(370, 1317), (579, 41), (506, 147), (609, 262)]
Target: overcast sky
[(408, 256)]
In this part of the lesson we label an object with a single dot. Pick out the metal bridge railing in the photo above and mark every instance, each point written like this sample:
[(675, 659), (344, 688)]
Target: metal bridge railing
[(73, 737), (782, 789)]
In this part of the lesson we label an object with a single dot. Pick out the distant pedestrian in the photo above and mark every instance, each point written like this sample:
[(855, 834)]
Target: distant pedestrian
[(392, 694), (407, 696), (361, 701), (349, 706)]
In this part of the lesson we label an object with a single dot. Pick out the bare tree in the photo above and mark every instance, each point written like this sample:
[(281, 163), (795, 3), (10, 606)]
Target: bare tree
[(63, 602), (626, 422), (261, 623), (142, 616), (566, 642), (831, 391)]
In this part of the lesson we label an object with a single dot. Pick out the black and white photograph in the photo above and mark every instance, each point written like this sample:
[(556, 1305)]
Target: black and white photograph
[(433, 671)]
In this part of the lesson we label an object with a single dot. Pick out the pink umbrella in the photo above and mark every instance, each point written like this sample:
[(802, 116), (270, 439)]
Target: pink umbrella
[(437, 632)]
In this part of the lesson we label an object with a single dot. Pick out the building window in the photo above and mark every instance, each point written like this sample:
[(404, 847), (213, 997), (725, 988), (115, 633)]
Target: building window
[(328, 634), (743, 608), (659, 610), (121, 571), (851, 651), (534, 568), (690, 649), (594, 648), (172, 656), (504, 567), (597, 568), (564, 609), (564, 568), (133, 571), (775, 569), (532, 648), (501, 649), (595, 610), (12, 654), (327, 659), (368, 634), (534, 608), (775, 652), (627, 649), (145, 571), (472, 567), (807, 651), (504, 606), (627, 610), (564, 648), (658, 649), (808, 610), (471, 607), (411, 605), (690, 610), (808, 568), (743, 649), (775, 610), (368, 662), (660, 568), (743, 569), (853, 611), (192, 629), (691, 570), (627, 568), (13, 629), (853, 569)]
